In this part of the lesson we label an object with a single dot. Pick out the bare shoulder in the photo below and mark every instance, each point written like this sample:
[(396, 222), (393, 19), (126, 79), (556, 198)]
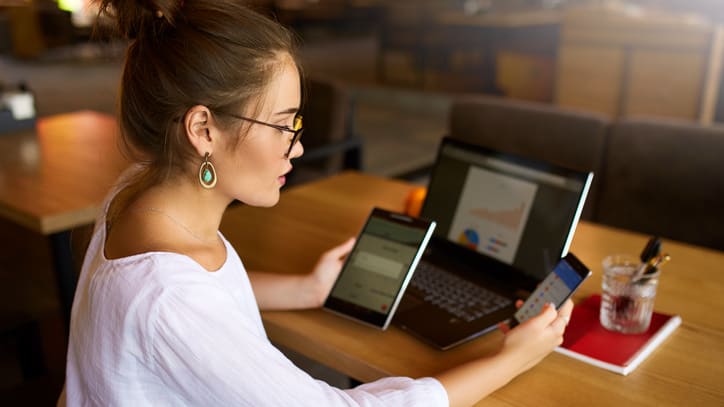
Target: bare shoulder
[(130, 234), (134, 234)]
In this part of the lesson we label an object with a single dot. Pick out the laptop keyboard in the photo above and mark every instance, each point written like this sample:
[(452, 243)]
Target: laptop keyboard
[(459, 297)]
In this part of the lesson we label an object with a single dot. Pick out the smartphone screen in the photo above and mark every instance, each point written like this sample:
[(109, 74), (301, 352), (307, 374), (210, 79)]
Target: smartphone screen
[(380, 266), (556, 288)]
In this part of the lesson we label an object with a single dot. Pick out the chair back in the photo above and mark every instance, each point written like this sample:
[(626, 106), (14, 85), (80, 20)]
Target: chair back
[(565, 137), (665, 177)]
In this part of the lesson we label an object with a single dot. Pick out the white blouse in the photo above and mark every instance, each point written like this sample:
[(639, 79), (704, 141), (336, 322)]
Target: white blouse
[(157, 329)]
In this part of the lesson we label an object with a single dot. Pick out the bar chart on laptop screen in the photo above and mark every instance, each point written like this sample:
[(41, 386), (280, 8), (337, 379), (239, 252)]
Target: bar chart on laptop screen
[(491, 219)]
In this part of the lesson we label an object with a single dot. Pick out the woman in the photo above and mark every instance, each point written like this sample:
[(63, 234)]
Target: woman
[(165, 313)]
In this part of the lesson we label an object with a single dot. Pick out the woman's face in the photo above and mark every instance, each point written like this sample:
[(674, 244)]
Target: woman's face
[(254, 170)]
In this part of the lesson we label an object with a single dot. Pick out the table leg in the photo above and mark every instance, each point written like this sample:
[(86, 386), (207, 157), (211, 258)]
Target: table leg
[(65, 271)]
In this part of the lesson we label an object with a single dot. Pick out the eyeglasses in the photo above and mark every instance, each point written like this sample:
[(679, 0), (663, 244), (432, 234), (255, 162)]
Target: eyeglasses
[(296, 131)]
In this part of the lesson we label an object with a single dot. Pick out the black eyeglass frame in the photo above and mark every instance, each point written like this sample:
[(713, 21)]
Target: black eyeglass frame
[(296, 134)]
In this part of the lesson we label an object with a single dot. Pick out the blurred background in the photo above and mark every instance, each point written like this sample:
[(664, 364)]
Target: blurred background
[(402, 62)]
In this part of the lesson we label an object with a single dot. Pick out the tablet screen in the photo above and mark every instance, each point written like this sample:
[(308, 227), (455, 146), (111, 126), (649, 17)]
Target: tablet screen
[(376, 272)]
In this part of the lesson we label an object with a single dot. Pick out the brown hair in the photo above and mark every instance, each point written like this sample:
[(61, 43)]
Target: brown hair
[(216, 53)]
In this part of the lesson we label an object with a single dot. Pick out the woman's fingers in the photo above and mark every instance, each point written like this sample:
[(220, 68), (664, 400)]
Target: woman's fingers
[(341, 250)]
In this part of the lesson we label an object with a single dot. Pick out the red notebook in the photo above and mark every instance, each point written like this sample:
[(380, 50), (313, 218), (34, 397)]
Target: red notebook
[(585, 339)]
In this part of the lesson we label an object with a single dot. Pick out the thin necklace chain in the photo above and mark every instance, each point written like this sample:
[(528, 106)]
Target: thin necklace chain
[(177, 222)]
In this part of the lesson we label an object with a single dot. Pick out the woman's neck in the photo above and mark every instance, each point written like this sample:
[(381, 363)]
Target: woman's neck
[(196, 210), (170, 218)]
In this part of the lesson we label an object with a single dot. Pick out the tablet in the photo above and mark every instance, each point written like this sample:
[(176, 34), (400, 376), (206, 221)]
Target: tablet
[(379, 267)]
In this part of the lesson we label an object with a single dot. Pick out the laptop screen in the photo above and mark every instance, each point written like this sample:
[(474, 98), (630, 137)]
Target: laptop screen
[(514, 210)]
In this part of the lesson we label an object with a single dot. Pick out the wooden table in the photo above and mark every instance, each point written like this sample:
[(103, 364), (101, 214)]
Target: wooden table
[(53, 179), (688, 368)]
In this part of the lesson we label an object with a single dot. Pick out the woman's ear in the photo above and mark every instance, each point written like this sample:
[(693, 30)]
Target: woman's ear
[(199, 129)]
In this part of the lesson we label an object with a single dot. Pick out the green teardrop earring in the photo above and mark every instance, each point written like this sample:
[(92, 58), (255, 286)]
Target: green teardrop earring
[(207, 173)]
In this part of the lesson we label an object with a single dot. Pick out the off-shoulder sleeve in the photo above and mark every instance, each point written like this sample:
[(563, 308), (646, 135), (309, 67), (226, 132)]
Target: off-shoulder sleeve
[(208, 353)]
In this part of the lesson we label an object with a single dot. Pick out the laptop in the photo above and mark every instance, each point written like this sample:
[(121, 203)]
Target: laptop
[(503, 222)]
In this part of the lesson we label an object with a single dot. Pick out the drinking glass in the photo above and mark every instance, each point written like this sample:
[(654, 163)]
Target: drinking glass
[(626, 304)]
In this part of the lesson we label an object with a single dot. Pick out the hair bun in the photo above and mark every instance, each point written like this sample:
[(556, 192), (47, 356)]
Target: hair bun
[(136, 18)]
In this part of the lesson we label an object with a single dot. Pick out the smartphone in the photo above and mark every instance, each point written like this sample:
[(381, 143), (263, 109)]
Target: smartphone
[(556, 288), (379, 267)]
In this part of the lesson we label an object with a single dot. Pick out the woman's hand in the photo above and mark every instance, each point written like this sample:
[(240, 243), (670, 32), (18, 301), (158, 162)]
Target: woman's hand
[(531, 341), (282, 291), (523, 347), (325, 272)]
